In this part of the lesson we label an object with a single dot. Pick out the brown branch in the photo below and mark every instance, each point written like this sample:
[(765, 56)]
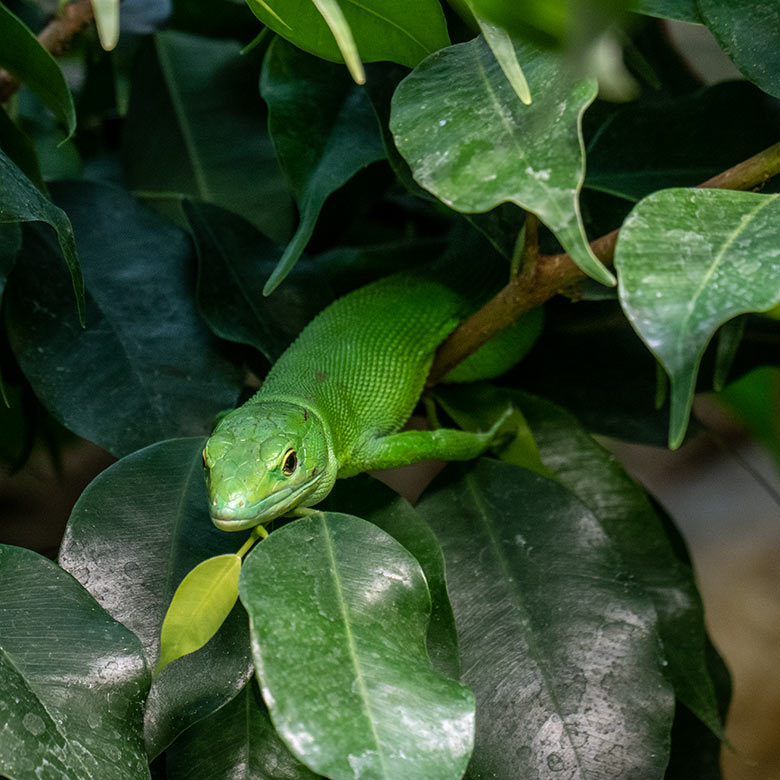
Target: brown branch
[(55, 38), (552, 274)]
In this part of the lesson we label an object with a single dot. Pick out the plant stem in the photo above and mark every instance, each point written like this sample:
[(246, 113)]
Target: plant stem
[(552, 274), (55, 38)]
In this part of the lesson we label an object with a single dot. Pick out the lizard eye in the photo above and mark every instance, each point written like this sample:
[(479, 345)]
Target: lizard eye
[(290, 463)]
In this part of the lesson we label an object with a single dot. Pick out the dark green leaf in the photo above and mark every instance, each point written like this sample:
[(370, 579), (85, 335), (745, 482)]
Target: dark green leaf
[(729, 339), (72, 679), (324, 132), (197, 99), (585, 352), (153, 366), (338, 612), (688, 261), (682, 10), (136, 531), (669, 142), (20, 150), (473, 144), (34, 66), (237, 741), (558, 644), (234, 260), (21, 201), (478, 406), (403, 31), (368, 498), (749, 32), (10, 244), (632, 524)]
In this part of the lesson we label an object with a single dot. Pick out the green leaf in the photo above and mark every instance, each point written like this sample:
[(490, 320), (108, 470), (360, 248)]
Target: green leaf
[(200, 605), (234, 260), (403, 31), (10, 244), (334, 17), (681, 10), (107, 22), (133, 535), (369, 499), (34, 66), (238, 741), (568, 452), (72, 679), (749, 32), (504, 51), (324, 132), (755, 400), (632, 523), (21, 201), (558, 643), (20, 150), (209, 130), (729, 339), (338, 613), (478, 406), (469, 141), (155, 370), (688, 261), (661, 142)]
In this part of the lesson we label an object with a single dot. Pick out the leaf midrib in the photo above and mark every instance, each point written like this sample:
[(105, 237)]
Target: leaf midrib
[(364, 698)]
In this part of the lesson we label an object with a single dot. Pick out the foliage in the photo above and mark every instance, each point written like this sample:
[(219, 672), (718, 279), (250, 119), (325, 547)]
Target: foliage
[(534, 615)]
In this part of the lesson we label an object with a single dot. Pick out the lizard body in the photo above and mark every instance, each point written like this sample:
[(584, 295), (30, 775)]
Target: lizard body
[(335, 401)]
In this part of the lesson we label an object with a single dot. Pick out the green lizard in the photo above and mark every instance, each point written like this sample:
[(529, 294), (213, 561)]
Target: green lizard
[(333, 404)]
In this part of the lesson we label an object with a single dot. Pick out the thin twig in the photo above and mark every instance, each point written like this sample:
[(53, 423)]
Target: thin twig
[(55, 38), (555, 273)]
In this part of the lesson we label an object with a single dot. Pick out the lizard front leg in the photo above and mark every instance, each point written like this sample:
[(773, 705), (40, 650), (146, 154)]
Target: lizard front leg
[(401, 449)]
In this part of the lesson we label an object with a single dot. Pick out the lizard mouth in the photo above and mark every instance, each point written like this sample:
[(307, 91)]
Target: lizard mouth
[(233, 517)]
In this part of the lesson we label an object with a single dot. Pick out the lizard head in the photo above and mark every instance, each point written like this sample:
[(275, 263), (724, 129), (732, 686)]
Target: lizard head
[(263, 460)]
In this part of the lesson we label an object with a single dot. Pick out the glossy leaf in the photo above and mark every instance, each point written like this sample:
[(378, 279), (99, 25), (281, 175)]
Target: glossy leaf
[(72, 679), (133, 535), (371, 500), (469, 140), (403, 31), (558, 644), (634, 526), (324, 132), (200, 605), (749, 32), (10, 244), (202, 94), (478, 406), (238, 741), (338, 613), (681, 10), (688, 261), (21, 201), (234, 260), (154, 369), (661, 142), (20, 150), (24, 56)]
